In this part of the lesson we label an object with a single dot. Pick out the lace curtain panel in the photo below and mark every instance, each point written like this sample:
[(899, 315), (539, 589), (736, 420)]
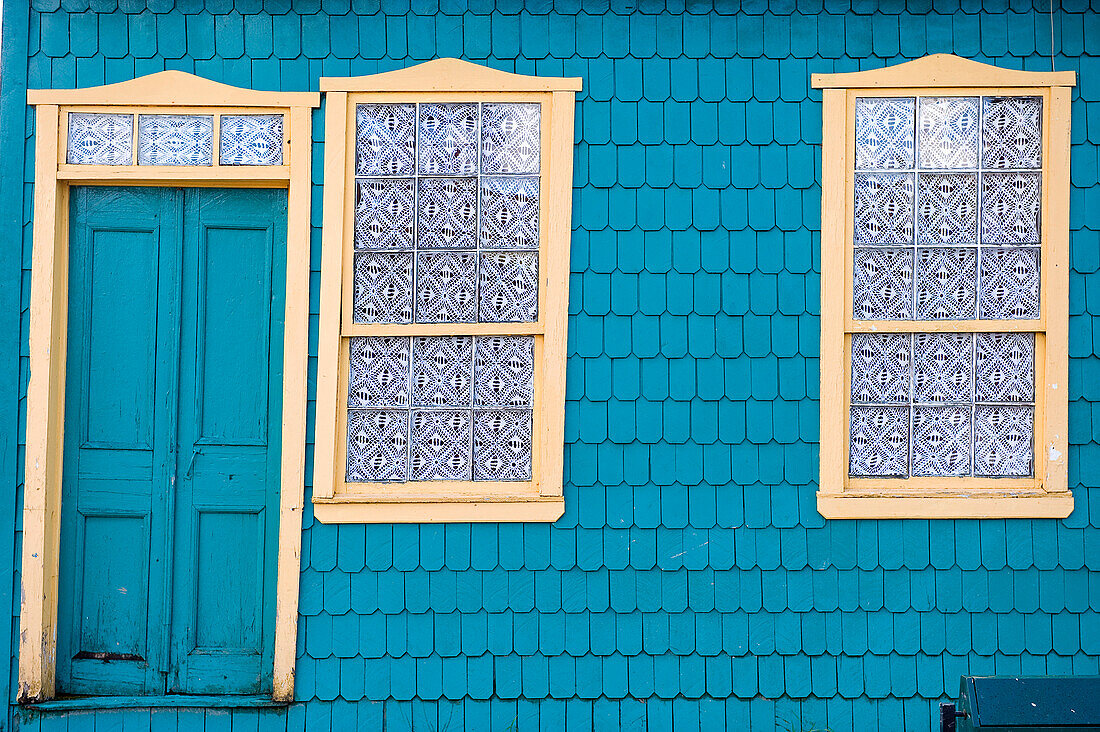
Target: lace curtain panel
[(946, 203), (96, 138), (446, 230)]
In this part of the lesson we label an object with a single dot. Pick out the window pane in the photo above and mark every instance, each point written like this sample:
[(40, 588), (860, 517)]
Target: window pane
[(947, 208), (384, 213), (510, 212), (504, 371), (947, 283), (511, 138), (882, 284), (378, 372), (446, 213), (383, 288), (446, 287), (509, 287), (879, 442), (943, 367), (884, 133), (175, 139), (251, 139), (1009, 283), (100, 139), (941, 440), (377, 445), (1010, 208), (883, 208), (1002, 441), (947, 133), (880, 368), (1005, 366), (443, 371), (440, 445), (1012, 132), (502, 444), (384, 139), (447, 139)]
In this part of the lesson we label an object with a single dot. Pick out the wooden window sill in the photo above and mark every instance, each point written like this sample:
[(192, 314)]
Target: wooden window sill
[(947, 504), (73, 704), (348, 510)]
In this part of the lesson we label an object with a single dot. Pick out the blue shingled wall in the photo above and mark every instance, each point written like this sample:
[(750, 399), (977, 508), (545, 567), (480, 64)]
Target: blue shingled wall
[(691, 582)]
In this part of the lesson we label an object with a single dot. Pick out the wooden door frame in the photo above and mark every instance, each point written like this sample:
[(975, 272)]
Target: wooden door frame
[(171, 92)]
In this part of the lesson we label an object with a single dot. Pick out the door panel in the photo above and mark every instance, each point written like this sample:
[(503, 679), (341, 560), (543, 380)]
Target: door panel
[(228, 582), (230, 417), (123, 272), (119, 364), (234, 339), (114, 600), (173, 417)]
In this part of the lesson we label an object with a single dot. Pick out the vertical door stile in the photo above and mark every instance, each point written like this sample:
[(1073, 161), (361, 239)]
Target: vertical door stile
[(168, 349)]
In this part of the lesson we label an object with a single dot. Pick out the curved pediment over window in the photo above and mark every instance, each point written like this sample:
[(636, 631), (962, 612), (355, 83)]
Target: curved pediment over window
[(942, 70), (172, 89), (450, 74)]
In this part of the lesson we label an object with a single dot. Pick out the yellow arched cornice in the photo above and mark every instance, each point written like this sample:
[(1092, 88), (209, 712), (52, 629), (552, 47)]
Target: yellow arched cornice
[(173, 88), (941, 70), (450, 74)]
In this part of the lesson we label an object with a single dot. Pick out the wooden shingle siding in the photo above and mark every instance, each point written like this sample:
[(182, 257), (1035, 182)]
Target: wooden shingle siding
[(691, 583)]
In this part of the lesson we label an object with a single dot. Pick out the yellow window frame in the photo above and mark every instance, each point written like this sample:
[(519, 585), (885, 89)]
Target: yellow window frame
[(167, 92), (1046, 493), (540, 499)]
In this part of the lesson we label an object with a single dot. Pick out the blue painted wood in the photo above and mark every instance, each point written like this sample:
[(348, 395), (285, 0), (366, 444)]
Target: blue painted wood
[(119, 442), (695, 161), (172, 441), (230, 397), (13, 61)]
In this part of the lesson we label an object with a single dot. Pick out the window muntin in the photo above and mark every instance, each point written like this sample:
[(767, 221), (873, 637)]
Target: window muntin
[(942, 404), (936, 235)]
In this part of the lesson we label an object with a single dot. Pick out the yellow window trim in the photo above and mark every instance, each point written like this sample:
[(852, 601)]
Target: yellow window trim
[(1046, 493), (174, 92), (540, 499)]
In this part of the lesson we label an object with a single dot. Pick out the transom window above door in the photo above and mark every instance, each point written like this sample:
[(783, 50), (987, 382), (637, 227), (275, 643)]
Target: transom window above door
[(441, 367), (107, 138)]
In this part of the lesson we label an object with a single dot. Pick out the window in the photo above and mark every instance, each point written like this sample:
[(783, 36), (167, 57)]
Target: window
[(945, 187), (443, 304), (134, 175)]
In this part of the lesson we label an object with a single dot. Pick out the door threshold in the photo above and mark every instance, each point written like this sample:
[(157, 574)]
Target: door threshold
[(148, 702)]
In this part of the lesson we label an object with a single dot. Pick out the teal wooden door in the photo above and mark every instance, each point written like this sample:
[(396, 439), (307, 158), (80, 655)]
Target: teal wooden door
[(172, 423), (229, 428)]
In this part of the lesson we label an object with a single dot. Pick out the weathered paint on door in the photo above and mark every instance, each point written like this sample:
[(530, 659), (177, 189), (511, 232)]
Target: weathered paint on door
[(169, 515)]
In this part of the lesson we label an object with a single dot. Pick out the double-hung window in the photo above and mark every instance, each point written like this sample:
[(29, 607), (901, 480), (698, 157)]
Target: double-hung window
[(944, 291), (443, 304)]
